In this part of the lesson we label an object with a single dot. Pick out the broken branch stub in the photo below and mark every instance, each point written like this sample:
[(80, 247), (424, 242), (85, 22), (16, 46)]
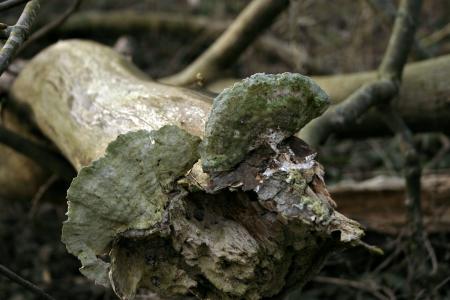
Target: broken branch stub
[(145, 217)]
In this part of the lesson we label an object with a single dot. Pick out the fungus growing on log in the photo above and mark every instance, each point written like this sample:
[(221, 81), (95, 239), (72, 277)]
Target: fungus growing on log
[(263, 108), (146, 218)]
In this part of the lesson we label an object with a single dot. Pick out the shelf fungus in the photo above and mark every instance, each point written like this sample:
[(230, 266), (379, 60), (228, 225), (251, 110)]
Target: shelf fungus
[(244, 214), (262, 109)]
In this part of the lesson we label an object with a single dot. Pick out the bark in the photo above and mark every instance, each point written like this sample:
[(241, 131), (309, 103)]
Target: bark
[(128, 102), (424, 101), (137, 222)]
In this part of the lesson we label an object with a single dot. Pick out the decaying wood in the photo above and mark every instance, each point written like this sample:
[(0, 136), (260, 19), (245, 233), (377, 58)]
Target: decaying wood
[(130, 102), (135, 222), (423, 103), (378, 203)]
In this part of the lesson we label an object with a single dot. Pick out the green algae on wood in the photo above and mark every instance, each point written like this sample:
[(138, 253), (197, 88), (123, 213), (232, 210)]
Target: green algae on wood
[(124, 191), (264, 108)]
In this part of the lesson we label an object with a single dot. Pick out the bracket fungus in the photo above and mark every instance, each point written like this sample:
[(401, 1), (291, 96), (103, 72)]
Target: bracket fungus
[(124, 193), (256, 221), (264, 108)]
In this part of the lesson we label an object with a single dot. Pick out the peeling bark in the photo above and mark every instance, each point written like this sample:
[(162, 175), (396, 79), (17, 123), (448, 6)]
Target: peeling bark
[(144, 217)]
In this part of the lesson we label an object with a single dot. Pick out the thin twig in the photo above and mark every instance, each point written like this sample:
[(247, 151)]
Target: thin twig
[(436, 36), (18, 33), (11, 3), (45, 30), (39, 194), (433, 163), (441, 284), (433, 258), (398, 250), (25, 283), (366, 286)]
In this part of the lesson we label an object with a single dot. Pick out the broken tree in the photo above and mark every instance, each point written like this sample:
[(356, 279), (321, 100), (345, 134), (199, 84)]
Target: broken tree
[(249, 217)]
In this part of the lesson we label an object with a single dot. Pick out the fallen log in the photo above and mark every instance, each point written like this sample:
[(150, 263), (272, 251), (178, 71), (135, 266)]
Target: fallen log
[(424, 101), (143, 218), (378, 203)]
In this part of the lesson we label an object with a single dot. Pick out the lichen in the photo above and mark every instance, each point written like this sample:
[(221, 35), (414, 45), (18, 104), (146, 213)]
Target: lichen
[(125, 190), (264, 108)]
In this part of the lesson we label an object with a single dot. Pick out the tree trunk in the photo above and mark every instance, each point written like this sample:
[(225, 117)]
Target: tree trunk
[(139, 222)]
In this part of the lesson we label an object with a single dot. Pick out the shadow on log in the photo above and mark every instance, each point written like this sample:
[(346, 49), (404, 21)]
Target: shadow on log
[(20, 176), (144, 217)]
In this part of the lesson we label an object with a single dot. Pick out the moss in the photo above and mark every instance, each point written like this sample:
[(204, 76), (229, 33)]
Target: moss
[(320, 210), (296, 180), (263, 108)]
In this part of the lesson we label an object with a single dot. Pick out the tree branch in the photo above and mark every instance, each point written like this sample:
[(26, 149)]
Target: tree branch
[(18, 33), (401, 39), (25, 283), (390, 73), (255, 18), (52, 25), (380, 91), (342, 115), (11, 3)]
